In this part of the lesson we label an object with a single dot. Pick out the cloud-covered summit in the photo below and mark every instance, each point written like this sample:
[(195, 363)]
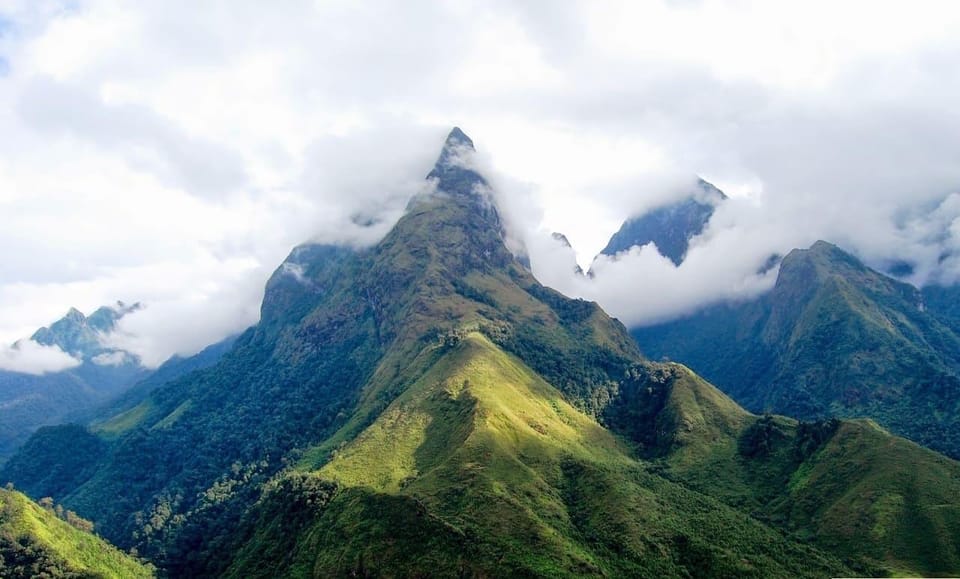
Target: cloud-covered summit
[(72, 340)]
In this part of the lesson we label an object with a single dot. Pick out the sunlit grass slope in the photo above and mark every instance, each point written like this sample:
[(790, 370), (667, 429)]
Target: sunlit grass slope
[(880, 502), (33, 541), (480, 468)]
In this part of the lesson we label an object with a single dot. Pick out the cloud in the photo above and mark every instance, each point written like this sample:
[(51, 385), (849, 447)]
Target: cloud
[(110, 359), (29, 357), (362, 182), (145, 139), (173, 153)]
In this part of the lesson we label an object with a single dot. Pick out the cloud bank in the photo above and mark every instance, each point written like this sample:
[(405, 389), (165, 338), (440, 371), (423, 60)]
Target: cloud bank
[(174, 152), (29, 357)]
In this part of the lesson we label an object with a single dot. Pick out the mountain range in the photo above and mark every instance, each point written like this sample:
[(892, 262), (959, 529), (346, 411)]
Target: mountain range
[(104, 381), (833, 338), (29, 401), (425, 407)]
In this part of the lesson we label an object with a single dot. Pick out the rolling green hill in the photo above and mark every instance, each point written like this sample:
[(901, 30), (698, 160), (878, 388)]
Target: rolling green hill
[(34, 542), (832, 339), (848, 487), (481, 468), (424, 407)]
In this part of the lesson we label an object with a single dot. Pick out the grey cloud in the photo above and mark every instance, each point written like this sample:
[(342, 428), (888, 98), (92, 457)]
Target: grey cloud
[(362, 183), (143, 137)]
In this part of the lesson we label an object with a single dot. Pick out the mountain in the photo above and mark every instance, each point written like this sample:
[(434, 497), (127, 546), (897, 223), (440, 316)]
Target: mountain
[(833, 338), (424, 407), (36, 542), (670, 227), (848, 487), (29, 401), (81, 336), (169, 371)]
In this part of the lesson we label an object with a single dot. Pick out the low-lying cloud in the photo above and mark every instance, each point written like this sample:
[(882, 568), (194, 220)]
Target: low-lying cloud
[(29, 357)]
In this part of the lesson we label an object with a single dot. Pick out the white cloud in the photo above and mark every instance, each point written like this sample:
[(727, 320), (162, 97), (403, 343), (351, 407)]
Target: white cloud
[(110, 359), (173, 152), (29, 357)]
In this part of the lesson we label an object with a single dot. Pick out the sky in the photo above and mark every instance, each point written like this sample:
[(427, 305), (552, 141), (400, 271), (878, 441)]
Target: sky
[(172, 153)]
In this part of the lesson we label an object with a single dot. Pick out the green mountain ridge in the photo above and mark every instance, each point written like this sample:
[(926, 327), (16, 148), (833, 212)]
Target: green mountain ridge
[(833, 338), (508, 479), (848, 487), (34, 542), (424, 407)]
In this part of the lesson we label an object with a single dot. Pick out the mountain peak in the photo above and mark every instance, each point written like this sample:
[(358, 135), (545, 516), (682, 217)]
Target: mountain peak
[(80, 335), (73, 314), (821, 246), (669, 227), (453, 170), (822, 255), (457, 138)]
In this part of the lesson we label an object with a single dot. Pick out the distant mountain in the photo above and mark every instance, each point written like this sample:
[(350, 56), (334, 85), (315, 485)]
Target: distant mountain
[(37, 542), (670, 227), (833, 338), (424, 407), (28, 401), (81, 336)]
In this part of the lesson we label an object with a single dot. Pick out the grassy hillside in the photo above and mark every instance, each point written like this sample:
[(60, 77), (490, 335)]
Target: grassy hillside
[(34, 542), (481, 468), (878, 501)]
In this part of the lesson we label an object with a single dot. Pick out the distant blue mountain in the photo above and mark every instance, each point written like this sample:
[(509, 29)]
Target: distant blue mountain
[(669, 227)]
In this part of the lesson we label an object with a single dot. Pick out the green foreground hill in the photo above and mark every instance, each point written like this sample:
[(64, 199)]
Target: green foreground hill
[(846, 486), (34, 542), (424, 407), (481, 468)]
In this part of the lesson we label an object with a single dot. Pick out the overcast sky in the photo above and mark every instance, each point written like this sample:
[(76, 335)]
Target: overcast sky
[(173, 152)]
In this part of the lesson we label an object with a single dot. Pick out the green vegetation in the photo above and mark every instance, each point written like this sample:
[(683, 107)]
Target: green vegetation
[(35, 542), (481, 468), (832, 339), (125, 421), (881, 503), (423, 407), (28, 402)]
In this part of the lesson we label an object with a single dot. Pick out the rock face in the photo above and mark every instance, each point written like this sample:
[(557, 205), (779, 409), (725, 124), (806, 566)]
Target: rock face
[(424, 407), (670, 227)]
